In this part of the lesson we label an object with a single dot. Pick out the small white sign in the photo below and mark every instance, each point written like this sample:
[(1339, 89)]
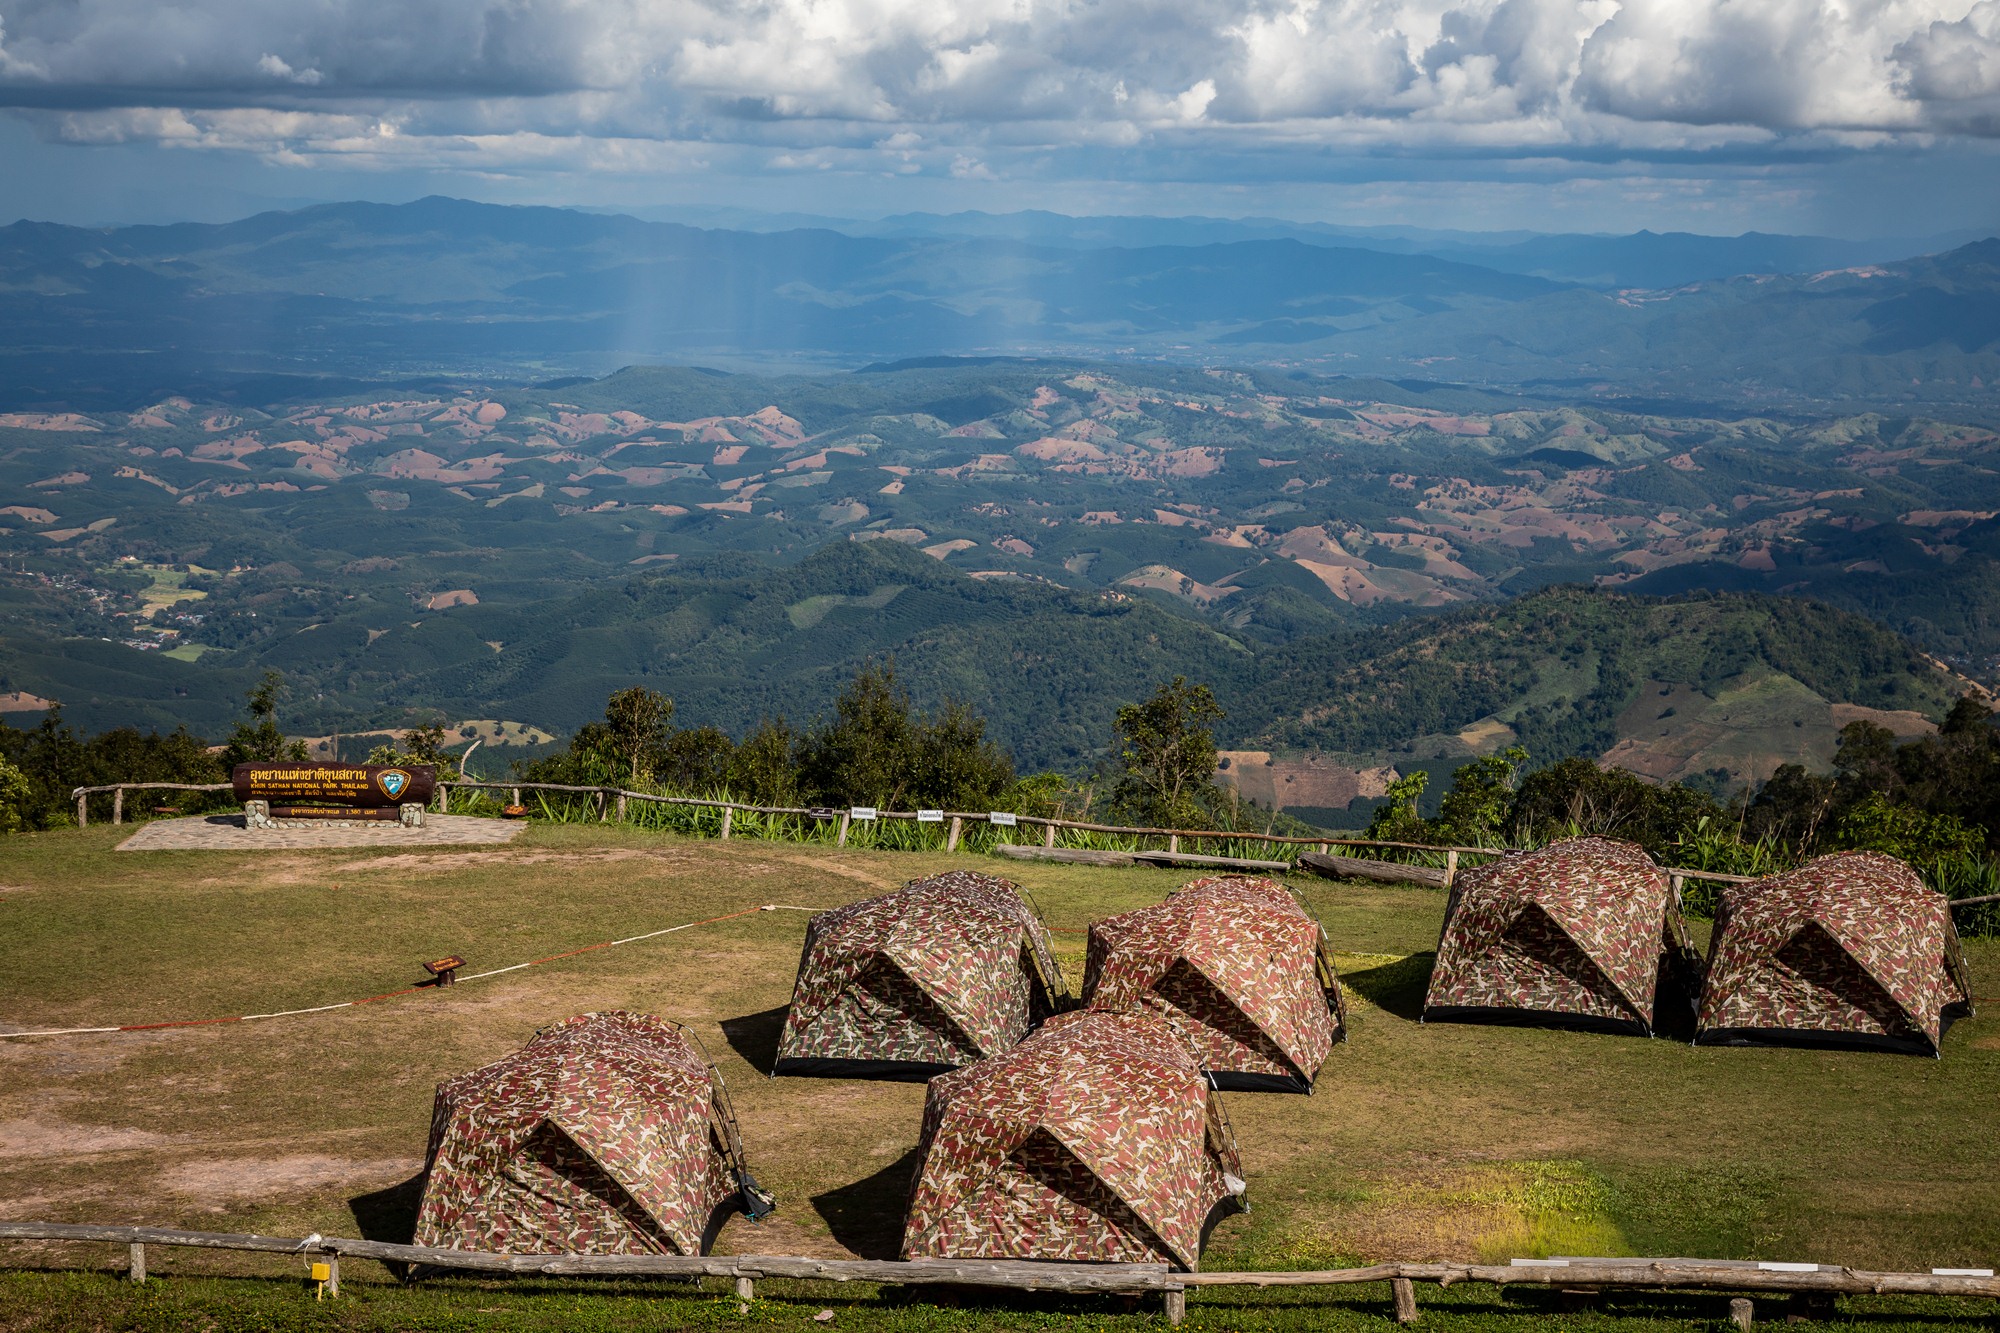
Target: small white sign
[(930, 816), (1004, 818), (1961, 1272), (1770, 1267), (861, 812)]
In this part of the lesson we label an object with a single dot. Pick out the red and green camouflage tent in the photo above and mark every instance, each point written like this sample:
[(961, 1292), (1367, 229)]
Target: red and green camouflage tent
[(608, 1133), (1096, 1139), (1575, 933), (1240, 966), (940, 973), (1851, 949)]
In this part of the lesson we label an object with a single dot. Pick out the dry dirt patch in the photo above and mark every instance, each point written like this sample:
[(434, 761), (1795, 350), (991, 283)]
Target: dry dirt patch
[(219, 1179), (59, 1138)]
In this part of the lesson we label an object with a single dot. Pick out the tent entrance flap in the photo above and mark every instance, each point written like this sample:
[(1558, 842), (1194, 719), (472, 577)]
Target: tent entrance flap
[(551, 1174), (1832, 991), (1553, 968), (1190, 990), (1080, 1198)]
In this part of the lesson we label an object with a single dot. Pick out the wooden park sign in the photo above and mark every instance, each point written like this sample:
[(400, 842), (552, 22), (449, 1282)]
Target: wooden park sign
[(333, 790)]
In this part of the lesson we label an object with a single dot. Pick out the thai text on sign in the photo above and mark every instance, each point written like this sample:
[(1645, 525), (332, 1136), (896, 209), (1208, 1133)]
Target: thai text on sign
[(359, 786)]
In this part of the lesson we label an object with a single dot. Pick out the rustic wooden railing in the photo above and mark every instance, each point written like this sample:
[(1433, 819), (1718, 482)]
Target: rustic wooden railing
[(82, 795), (1810, 1280), (613, 802)]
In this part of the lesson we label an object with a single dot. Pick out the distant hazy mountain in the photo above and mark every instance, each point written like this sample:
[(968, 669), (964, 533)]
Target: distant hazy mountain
[(119, 317), (1921, 330), (1642, 259)]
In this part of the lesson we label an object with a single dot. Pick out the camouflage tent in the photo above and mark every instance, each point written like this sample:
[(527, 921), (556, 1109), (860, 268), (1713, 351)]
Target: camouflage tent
[(1097, 1138), (1241, 967), (938, 974), (1574, 933), (1849, 949), (608, 1133)]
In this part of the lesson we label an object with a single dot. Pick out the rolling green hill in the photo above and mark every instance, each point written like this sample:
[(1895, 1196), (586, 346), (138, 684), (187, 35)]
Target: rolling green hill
[(1753, 680), (1670, 687)]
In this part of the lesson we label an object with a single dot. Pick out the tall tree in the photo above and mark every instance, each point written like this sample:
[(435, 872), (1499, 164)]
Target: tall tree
[(636, 722), (863, 753), (1167, 749), (259, 737)]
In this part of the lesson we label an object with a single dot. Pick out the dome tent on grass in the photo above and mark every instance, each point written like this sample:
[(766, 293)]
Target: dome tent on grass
[(608, 1133), (940, 973), (1097, 1139), (1578, 933), (1851, 949), (1243, 969)]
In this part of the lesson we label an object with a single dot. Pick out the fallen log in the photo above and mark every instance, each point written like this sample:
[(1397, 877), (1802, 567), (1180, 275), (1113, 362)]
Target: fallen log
[(1355, 867), (1211, 862), (1075, 855)]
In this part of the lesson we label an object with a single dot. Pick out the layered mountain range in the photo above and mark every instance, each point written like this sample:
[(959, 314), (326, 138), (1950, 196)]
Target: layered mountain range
[(122, 317)]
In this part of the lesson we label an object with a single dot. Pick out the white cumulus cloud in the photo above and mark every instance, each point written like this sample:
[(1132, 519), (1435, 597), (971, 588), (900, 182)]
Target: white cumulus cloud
[(967, 80)]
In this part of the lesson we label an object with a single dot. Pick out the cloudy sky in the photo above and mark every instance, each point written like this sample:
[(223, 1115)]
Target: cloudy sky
[(1852, 117)]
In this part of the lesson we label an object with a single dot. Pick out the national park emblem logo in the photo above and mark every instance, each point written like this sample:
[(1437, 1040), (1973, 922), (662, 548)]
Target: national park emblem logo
[(392, 782)]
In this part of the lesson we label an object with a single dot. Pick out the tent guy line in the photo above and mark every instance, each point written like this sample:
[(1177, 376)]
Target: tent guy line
[(408, 990)]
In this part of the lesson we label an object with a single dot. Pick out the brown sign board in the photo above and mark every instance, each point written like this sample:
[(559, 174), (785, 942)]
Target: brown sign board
[(359, 786)]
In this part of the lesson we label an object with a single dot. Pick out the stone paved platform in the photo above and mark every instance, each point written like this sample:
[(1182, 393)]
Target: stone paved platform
[(225, 833)]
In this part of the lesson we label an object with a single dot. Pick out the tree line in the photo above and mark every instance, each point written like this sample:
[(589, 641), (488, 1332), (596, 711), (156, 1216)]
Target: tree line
[(875, 748), (1933, 800), (878, 749)]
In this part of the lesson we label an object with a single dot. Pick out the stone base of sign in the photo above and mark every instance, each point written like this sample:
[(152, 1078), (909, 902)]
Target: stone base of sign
[(223, 833), (257, 815)]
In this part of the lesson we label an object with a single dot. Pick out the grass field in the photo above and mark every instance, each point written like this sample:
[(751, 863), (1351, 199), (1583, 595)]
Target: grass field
[(1423, 1141)]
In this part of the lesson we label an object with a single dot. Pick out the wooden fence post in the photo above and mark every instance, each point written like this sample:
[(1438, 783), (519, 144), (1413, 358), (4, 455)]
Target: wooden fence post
[(1742, 1313), (444, 798), (844, 821), (118, 805), (728, 818), (1049, 834), (1173, 842), (621, 807), (1176, 1302), (951, 838), (1406, 1300), (137, 1269), (1450, 868), (746, 1289), (82, 810), (333, 1272), (517, 796)]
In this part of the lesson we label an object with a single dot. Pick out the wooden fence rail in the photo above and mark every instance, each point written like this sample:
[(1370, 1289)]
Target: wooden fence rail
[(1028, 1275)]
